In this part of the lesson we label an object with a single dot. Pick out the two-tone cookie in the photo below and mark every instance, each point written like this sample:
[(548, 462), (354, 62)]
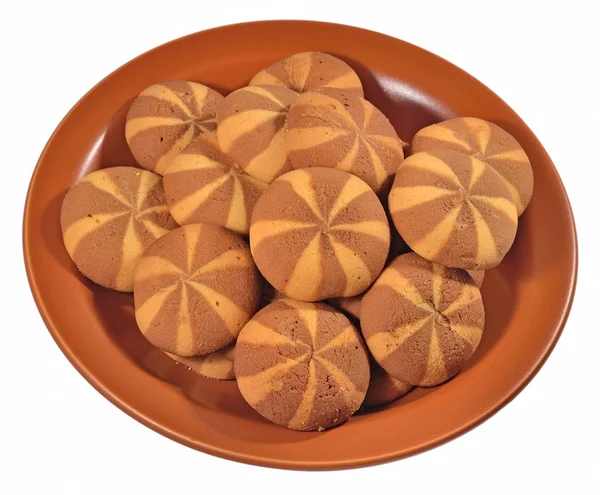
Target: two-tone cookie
[(489, 143), (164, 119), (339, 129), (301, 365), (194, 290), (308, 71), (251, 126), (422, 321), (108, 218), (217, 365), (203, 185), (453, 209), (319, 233)]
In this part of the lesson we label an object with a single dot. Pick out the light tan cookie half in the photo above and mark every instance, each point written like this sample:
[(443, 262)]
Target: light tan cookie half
[(319, 233), (164, 119), (338, 129), (194, 290), (108, 218), (203, 185), (489, 143), (217, 365), (453, 209), (422, 321), (251, 129), (308, 71), (301, 365)]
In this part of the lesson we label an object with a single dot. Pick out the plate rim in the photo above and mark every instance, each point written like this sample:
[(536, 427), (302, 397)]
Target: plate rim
[(271, 461)]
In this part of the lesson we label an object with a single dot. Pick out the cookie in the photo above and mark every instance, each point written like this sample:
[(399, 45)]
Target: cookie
[(109, 218), (301, 365), (164, 119), (194, 289), (489, 143), (477, 276), (319, 233), (203, 185), (383, 387), (453, 209), (308, 71), (269, 294), (217, 365), (251, 126), (338, 129), (350, 306), (422, 321)]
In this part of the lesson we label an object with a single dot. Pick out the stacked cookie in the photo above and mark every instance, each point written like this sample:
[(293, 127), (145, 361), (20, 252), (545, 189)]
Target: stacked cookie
[(279, 237)]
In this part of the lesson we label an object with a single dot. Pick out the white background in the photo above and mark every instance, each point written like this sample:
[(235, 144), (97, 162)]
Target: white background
[(58, 435)]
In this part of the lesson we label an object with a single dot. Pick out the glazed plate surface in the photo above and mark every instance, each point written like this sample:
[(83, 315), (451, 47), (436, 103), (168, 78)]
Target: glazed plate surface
[(527, 298)]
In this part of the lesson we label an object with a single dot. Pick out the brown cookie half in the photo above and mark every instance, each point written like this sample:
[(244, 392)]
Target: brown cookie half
[(453, 209), (489, 143), (319, 233), (301, 365), (164, 119), (251, 126), (383, 387), (202, 185), (422, 321), (194, 290), (348, 305), (338, 129), (108, 218), (217, 365), (308, 71)]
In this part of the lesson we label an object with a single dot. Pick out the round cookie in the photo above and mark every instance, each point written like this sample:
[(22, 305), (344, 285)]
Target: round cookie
[(422, 321), (251, 126), (383, 387), (348, 305), (301, 365), (453, 209), (164, 119), (319, 233), (308, 71), (204, 185), (338, 129), (489, 143), (477, 276), (217, 365), (108, 218), (194, 289)]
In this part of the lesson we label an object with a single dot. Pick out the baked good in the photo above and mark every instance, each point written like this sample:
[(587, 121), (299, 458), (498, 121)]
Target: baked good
[(489, 143), (204, 185), (194, 289), (422, 321), (383, 387), (453, 209), (108, 218), (339, 129), (301, 365), (319, 233), (217, 365), (350, 306), (164, 119), (269, 294), (477, 276), (310, 70), (251, 126)]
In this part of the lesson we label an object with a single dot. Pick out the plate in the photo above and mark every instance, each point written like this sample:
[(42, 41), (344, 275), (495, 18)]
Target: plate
[(527, 298)]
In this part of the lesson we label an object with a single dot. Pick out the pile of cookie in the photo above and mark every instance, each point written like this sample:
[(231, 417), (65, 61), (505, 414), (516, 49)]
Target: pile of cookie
[(279, 237)]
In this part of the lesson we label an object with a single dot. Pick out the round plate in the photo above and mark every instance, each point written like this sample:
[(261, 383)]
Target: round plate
[(527, 298)]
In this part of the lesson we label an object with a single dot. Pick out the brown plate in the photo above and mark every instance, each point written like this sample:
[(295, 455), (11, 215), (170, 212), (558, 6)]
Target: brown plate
[(527, 298)]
